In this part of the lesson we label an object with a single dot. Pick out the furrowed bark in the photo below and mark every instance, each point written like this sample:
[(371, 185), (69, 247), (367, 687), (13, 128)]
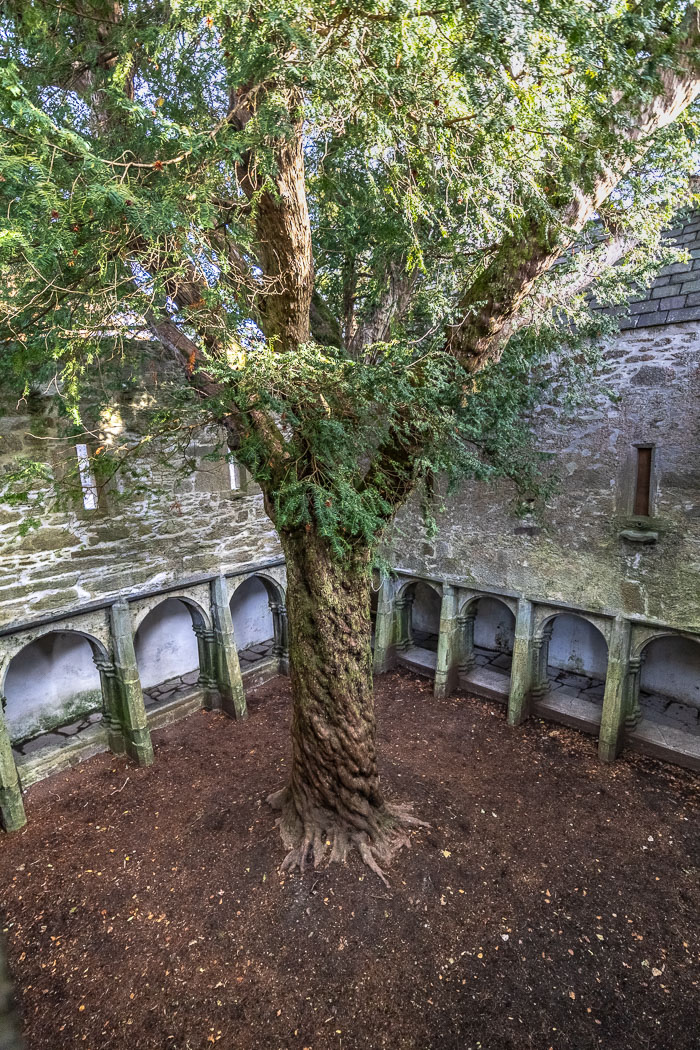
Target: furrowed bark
[(393, 305), (282, 225), (333, 801)]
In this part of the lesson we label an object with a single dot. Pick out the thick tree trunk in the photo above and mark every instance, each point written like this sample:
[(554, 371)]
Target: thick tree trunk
[(333, 800)]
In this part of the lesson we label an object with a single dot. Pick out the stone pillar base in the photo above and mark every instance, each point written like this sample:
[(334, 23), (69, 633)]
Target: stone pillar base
[(139, 747), (12, 815)]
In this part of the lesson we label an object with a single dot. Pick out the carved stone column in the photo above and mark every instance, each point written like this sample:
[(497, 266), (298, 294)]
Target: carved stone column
[(280, 648), (404, 632), (112, 713), (227, 669), (540, 662), (633, 709), (207, 680), (284, 639), (386, 629), (522, 669), (448, 651), (467, 658), (613, 717), (137, 736), (12, 813)]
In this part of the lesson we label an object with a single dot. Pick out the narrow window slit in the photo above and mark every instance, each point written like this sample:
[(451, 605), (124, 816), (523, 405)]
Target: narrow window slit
[(87, 478), (642, 491)]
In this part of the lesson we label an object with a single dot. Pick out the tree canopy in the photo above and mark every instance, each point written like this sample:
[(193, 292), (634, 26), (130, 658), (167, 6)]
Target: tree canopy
[(331, 216)]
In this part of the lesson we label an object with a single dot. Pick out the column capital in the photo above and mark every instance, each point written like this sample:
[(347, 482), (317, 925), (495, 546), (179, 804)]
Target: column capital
[(206, 633)]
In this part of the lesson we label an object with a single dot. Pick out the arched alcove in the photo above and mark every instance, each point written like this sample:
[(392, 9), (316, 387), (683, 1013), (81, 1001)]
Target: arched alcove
[(488, 648), (419, 627), (494, 631), (577, 650), (425, 616), (53, 687), (571, 672), (253, 621), (166, 649), (669, 683)]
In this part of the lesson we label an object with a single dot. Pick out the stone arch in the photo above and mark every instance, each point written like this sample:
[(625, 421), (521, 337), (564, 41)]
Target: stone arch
[(198, 614), (258, 613), (419, 603), (667, 687), (570, 668), (273, 587), (642, 636), (486, 646), (576, 648), (167, 644), (407, 587), (51, 680), (544, 616), (476, 596)]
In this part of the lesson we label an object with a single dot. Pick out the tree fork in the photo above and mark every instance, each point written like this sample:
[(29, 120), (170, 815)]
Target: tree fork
[(333, 801)]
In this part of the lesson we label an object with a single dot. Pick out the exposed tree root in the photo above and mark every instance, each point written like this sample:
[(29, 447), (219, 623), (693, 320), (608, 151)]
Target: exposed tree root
[(317, 834)]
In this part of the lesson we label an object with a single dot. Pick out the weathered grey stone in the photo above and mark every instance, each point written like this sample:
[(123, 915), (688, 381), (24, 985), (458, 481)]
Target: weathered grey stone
[(447, 660), (12, 816), (134, 721), (227, 668)]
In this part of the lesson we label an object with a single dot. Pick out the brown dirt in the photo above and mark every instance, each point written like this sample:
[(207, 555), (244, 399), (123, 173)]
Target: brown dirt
[(553, 904)]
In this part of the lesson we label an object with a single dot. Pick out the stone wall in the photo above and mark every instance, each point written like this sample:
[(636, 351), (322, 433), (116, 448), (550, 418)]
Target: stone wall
[(165, 644), (587, 550), (251, 614), (181, 529)]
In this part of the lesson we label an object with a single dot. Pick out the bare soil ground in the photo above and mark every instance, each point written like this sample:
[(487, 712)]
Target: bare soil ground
[(554, 902)]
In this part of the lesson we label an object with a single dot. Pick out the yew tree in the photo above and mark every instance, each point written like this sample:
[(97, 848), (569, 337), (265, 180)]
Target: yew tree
[(360, 234)]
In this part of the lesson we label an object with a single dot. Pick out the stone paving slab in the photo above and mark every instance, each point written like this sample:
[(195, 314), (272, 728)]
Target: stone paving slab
[(51, 759), (425, 640), (568, 707), (483, 681), (664, 710), (422, 661), (572, 680), (667, 743)]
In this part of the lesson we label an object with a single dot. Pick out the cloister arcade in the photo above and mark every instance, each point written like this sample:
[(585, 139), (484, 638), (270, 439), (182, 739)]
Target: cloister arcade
[(584, 669), (105, 677)]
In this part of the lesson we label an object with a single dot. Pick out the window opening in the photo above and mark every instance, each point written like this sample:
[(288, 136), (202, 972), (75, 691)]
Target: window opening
[(87, 478), (642, 491), (235, 475)]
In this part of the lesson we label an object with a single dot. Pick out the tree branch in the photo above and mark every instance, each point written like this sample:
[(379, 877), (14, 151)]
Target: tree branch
[(393, 305), (489, 308), (282, 222)]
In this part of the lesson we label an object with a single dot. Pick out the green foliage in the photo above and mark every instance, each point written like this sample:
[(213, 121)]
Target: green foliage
[(432, 138)]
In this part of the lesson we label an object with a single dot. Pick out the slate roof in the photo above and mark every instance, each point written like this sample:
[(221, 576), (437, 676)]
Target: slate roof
[(675, 294)]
